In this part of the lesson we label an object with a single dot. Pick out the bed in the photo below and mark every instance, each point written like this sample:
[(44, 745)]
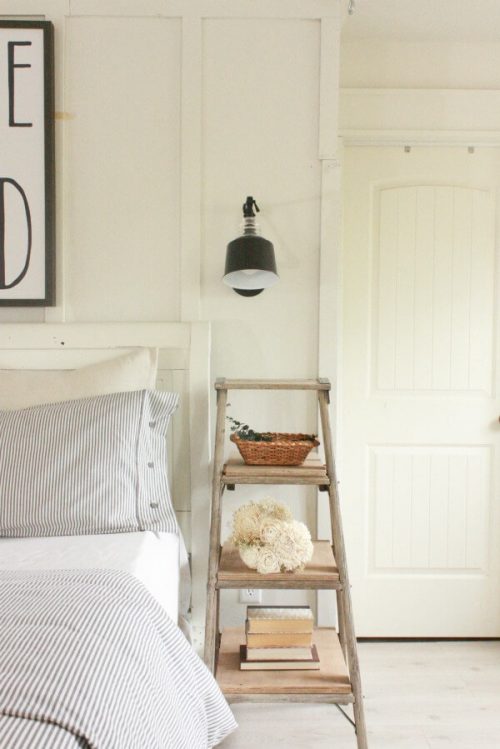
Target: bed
[(97, 604), (159, 560)]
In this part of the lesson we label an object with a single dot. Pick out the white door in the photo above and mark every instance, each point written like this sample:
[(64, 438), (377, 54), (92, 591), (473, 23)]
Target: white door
[(419, 462)]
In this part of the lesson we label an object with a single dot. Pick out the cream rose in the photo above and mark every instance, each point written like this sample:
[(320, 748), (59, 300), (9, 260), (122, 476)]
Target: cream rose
[(267, 561), (270, 530), (293, 546)]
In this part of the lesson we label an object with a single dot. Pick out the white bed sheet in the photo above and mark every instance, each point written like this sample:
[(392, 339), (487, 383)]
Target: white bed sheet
[(158, 560)]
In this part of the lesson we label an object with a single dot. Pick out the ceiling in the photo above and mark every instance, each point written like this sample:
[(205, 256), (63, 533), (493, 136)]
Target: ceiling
[(423, 20)]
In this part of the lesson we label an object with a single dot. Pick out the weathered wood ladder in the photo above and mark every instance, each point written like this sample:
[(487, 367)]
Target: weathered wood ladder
[(339, 683)]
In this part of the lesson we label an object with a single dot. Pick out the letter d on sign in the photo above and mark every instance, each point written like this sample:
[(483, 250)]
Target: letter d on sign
[(13, 256)]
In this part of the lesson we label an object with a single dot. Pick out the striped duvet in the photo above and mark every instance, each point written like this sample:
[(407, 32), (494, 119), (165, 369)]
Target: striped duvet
[(89, 659)]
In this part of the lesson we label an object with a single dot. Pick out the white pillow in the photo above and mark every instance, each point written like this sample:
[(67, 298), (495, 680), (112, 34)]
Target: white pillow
[(93, 465), (22, 388)]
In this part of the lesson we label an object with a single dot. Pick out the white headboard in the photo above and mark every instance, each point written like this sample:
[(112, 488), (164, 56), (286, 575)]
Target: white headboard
[(184, 366)]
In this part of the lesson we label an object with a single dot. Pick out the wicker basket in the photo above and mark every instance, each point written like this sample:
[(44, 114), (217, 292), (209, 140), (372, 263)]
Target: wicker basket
[(282, 450)]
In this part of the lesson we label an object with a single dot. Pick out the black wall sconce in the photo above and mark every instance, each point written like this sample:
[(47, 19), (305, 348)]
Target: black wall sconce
[(250, 262)]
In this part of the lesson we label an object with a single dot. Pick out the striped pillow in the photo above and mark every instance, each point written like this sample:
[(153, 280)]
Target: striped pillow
[(96, 465)]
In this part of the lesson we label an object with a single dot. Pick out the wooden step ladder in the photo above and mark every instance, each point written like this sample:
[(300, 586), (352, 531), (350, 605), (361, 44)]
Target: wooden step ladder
[(338, 680)]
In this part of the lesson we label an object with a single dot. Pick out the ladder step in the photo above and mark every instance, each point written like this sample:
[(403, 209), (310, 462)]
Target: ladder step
[(321, 573), (319, 384), (332, 679), (312, 472)]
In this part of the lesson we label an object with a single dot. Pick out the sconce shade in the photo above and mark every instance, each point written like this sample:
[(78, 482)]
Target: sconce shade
[(250, 262)]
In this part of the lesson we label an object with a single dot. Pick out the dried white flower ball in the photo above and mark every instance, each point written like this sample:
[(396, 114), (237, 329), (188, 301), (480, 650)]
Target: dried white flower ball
[(293, 546), (250, 555), (270, 530), (246, 524), (267, 561), (247, 519), (269, 539), (270, 508)]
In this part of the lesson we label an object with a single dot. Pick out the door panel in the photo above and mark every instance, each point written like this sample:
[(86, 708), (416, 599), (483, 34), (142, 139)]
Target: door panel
[(429, 508), (419, 432), (434, 270)]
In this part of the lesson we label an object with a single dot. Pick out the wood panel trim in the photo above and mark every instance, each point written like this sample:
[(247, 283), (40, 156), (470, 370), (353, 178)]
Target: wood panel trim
[(94, 335), (393, 138), (282, 9), (191, 158)]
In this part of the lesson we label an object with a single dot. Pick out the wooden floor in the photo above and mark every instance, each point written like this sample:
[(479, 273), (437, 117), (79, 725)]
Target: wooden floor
[(417, 696)]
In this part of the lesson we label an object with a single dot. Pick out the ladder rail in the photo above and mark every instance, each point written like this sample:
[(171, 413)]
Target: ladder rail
[(211, 632), (341, 621), (341, 559)]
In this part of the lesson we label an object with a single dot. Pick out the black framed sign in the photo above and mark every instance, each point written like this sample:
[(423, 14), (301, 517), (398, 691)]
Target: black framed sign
[(27, 183)]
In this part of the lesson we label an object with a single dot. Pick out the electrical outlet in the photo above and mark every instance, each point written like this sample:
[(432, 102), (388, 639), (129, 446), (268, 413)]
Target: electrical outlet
[(250, 595)]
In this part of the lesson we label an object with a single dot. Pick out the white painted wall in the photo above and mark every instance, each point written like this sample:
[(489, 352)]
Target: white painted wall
[(408, 90), (383, 63), (122, 160), (169, 115), (260, 137)]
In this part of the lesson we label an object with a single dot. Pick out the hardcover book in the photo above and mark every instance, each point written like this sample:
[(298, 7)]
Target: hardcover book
[(278, 665), (268, 619), (279, 639), (278, 654)]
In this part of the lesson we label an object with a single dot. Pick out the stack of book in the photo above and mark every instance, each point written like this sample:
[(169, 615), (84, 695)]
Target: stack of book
[(279, 638)]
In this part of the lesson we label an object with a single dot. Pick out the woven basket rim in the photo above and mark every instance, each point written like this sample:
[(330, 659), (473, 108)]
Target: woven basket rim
[(284, 438)]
